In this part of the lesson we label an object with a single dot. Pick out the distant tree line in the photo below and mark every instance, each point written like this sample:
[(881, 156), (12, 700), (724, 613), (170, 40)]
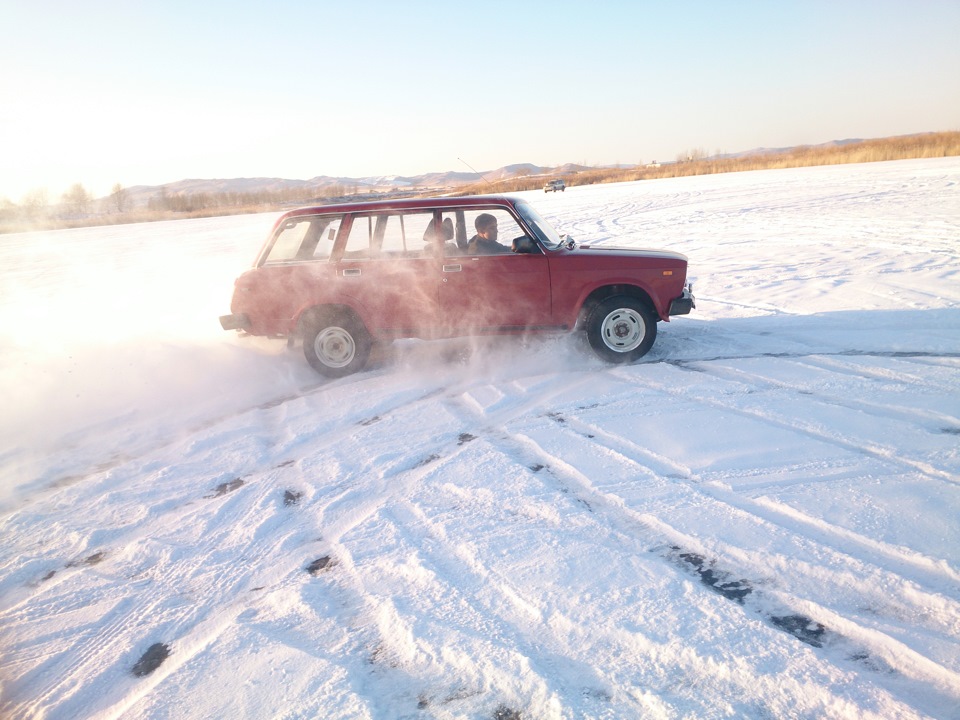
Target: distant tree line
[(697, 162), (77, 207)]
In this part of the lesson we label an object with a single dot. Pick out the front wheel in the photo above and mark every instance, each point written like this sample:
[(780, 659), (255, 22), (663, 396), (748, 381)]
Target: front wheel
[(621, 329), (336, 346)]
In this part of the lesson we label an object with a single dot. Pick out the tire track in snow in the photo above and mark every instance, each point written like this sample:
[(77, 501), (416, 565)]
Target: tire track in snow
[(387, 497), (360, 507), (156, 604), (915, 567), (886, 454), (796, 616), (891, 572)]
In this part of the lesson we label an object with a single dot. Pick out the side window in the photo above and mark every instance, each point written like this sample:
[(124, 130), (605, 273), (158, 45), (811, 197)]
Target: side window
[(327, 229), (305, 238), (406, 234), (497, 240), (388, 235), (361, 238)]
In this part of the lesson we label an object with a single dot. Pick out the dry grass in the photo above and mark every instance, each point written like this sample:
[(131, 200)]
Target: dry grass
[(927, 145)]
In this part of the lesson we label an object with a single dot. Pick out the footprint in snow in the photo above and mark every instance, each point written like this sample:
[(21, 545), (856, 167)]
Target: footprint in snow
[(320, 564), (225, 487), (89, 560), (151, 659)]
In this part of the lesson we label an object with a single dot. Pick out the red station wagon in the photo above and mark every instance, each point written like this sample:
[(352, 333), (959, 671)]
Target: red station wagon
[(342, 277)]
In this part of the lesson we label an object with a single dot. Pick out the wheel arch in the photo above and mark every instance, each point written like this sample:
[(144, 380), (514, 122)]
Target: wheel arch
[(604, 292), (326, 311)]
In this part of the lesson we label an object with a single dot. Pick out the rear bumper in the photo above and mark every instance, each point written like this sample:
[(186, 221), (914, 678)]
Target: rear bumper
[(238, 321), (683, 304)]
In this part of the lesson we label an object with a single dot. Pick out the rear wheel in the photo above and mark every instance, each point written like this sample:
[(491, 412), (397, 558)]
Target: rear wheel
[(621, 329), (336, 345)]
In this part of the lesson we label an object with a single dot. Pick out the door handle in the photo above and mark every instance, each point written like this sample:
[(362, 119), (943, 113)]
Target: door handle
[(347, 272), (452, 268)]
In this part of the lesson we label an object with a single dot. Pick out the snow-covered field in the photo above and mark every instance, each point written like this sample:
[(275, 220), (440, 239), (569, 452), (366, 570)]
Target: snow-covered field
[(759, 520)]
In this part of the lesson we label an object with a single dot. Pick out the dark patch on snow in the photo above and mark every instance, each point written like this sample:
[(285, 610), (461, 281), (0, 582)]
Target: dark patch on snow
[(950, 430), (226, 487), (370, 421), (799, 626), (802, 628), (536, 467), (48, 576), (873, 663), (557, 418), (460, 693), (89, 560), (151, 659), (735, 590), (464, 438), (505, 713), (320, 564), (291, 497), (285, 463), (423, 702), (276, 402), (382, 656), (427, 460), (597, 694)]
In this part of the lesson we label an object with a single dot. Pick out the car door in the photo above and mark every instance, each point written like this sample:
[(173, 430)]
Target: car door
[(498, 292), (386, 273)]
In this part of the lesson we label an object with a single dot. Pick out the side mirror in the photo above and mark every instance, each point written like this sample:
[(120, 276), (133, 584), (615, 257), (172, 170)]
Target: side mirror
[(524, 245)]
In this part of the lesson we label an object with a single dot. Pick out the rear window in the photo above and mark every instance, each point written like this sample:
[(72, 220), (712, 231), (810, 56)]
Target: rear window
[(309, 237)]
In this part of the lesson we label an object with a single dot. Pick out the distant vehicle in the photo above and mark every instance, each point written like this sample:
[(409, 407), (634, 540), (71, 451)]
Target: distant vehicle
[(554, 186), (341, 277)]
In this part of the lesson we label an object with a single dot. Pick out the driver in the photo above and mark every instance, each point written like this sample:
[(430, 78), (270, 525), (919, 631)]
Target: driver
[(485, 241)]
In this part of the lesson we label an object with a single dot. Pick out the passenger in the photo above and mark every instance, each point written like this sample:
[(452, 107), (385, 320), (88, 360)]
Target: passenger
[(485, 241)]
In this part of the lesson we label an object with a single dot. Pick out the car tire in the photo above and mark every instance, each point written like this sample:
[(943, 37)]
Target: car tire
[(621, 329), (336, 345)]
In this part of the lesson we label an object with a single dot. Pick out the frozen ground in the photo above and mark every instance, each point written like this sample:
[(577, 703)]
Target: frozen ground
[(759, 520)]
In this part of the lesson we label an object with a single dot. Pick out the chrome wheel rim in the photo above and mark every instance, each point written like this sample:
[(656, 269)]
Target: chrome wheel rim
[(623, 330), (334, 347)]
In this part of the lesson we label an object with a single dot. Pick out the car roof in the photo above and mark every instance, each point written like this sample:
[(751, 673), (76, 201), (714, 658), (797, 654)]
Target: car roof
[(406, 204)]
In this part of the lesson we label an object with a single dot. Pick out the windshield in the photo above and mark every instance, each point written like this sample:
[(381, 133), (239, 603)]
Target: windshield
[(551, 238)]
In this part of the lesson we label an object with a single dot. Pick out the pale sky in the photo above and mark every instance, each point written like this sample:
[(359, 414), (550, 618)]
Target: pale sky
[(111, 91)]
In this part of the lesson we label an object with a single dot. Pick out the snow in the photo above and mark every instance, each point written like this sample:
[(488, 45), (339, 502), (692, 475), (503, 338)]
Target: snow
[(757, 520)]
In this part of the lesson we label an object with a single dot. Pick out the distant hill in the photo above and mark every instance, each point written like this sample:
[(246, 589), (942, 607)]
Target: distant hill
[(325, 185), (773, 151)]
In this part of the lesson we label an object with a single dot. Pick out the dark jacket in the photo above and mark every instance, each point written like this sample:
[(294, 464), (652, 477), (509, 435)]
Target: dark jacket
[(482, 246)]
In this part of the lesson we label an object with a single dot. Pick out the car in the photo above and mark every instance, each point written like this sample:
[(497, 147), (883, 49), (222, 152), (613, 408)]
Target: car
[(555, 186), (343, 277)]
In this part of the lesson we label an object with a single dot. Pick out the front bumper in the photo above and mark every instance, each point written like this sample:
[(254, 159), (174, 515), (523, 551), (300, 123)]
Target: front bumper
[(683, 304), (238, 321)]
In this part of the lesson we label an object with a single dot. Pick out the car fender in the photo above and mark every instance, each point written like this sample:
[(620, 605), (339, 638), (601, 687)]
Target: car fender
[(592, 293), (339, 303)]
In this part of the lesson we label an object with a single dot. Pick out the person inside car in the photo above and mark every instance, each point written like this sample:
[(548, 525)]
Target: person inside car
[(485, 241)]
